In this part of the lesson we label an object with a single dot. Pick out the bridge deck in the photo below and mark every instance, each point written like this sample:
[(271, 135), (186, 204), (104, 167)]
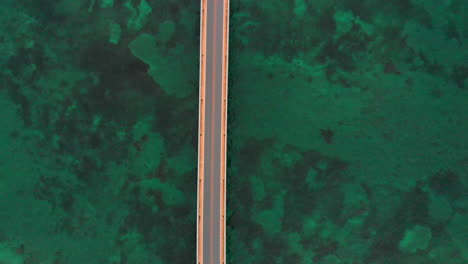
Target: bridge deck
[(214, 28)]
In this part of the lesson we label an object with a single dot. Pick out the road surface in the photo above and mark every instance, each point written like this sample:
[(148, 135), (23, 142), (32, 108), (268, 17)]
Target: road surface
[(214, 28)]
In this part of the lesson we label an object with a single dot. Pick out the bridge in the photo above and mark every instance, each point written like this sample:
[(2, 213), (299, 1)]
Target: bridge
[(212, 128)]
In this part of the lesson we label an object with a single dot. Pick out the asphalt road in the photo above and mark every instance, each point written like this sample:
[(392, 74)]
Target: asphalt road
[(212, 128)]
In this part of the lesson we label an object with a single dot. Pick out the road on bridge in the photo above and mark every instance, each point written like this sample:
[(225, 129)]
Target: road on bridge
[(211, 201)]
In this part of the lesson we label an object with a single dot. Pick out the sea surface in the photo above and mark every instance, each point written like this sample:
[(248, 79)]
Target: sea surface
[(347, 132)]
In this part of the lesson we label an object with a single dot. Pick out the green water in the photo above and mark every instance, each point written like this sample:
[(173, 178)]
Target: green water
[(348, 137), (98, 112), (348, 133)]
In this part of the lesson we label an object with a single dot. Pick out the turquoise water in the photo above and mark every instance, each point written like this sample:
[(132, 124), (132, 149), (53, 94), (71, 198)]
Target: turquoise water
[(98, 131), (347, 132)]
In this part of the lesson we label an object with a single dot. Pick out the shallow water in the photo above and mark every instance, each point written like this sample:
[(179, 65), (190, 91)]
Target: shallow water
[(347, 132), (348, 138), (98, 131)]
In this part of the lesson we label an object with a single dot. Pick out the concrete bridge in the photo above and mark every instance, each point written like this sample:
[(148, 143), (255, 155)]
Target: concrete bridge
[(211, 200)]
